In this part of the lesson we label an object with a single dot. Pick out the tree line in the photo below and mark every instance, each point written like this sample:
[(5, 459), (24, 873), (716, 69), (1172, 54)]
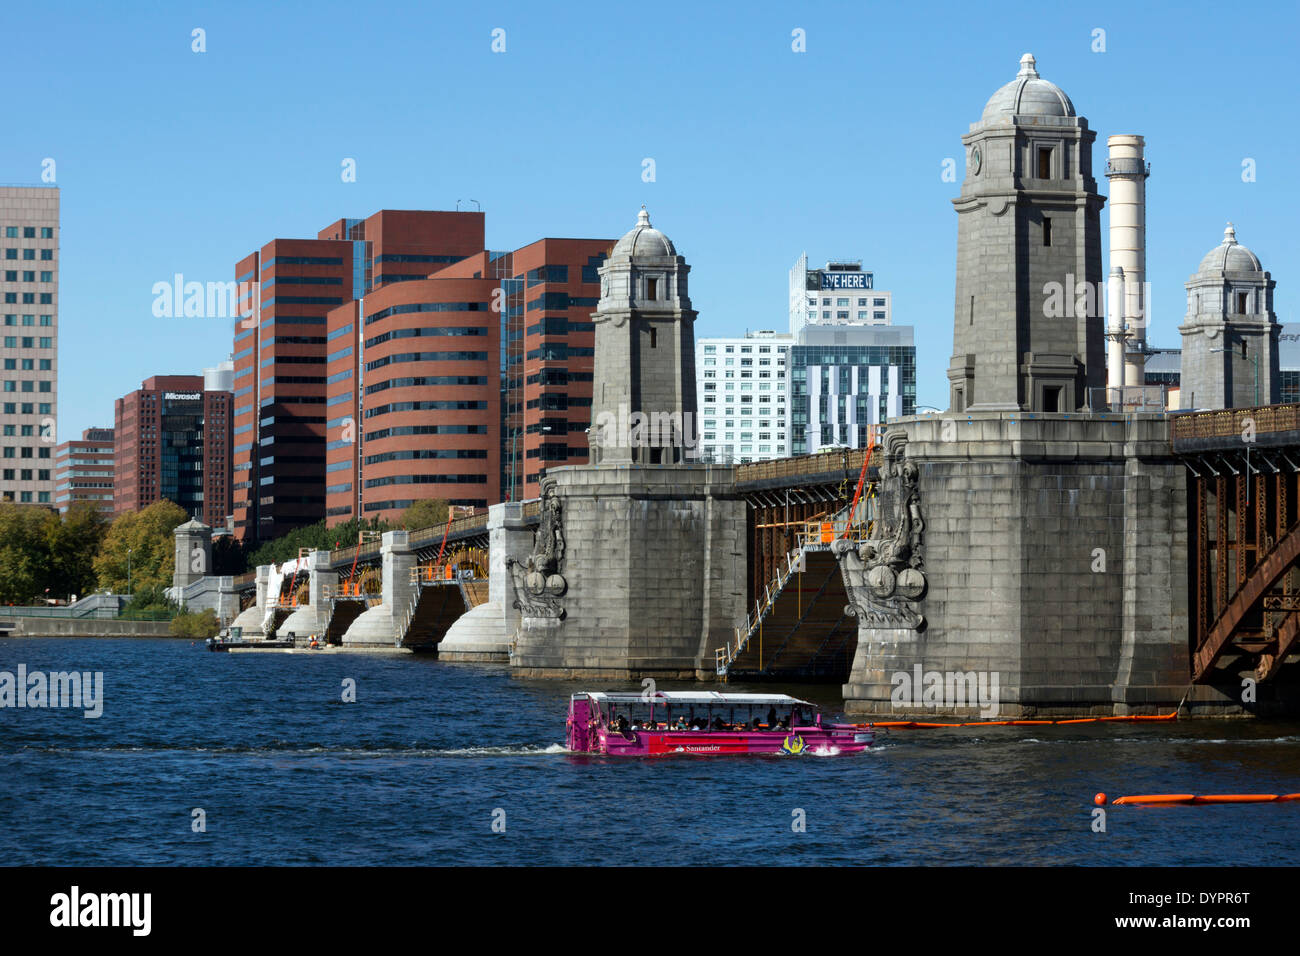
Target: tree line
[(45, 555)]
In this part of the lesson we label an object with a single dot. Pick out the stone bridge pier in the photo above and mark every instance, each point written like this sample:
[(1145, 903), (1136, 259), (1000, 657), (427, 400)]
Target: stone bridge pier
[(381, 626), (312, 618), (252, 621), (1023, 565), (484, 633)]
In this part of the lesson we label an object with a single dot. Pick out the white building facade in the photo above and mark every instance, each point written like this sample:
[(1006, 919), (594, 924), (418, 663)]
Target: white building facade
[(842, 293), (743, 384)]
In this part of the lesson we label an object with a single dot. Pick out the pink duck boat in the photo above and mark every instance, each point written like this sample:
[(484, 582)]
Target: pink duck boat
[(710, 724)]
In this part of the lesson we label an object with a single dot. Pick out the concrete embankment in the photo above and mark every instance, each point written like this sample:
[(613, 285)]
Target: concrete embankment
[(87, 627)]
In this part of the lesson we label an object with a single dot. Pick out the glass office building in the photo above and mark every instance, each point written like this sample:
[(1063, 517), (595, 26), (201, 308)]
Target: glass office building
[(843, 379)]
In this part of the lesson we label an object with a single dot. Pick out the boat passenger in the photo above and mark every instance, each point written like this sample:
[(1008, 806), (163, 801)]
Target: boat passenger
[(718, 723), (771, 717), (681, 722)]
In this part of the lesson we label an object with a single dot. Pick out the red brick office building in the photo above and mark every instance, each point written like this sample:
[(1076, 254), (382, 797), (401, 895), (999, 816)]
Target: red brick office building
[(172, 440), (432, 368)]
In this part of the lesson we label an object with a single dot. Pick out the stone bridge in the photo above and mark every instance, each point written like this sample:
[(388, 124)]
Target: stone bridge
[(1096, 563), (393, 591)]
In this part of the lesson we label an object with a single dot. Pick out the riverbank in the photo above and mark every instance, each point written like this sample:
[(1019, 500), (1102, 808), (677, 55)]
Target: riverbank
[(88, 627)]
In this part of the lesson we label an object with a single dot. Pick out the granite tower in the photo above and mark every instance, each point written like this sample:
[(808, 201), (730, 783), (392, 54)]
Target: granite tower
[(1028, 327)]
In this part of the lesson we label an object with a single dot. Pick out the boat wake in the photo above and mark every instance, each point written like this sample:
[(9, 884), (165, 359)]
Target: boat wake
[(520, 750)]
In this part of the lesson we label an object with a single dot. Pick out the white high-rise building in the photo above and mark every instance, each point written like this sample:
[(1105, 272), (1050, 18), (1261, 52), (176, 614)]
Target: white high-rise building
[(839, 294), (29, 216), (743, 385)]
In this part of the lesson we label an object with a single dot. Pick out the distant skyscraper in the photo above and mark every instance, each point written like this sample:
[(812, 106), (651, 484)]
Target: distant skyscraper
[(743, 386), (842, 293), (844, 379), (29, 218), (172, 441), (83, 471), (281, 351)]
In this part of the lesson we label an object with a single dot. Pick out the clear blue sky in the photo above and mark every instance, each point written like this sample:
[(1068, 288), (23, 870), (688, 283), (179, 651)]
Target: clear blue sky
[(172, 161)]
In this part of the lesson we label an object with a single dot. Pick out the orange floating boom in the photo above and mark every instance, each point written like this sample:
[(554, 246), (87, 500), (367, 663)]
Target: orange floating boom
[(1158, 798), (1189, 798), (915, 725)]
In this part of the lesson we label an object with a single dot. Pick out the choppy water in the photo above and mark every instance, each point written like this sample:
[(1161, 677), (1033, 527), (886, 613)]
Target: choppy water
[(413, 771)]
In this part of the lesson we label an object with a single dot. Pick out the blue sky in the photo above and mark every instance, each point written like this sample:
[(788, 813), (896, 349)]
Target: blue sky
[(172, 161)]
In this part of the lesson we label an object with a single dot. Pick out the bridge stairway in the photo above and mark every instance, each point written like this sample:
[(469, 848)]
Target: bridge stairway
[(436, 607), (341, 618), (278, 616), (805, 633)]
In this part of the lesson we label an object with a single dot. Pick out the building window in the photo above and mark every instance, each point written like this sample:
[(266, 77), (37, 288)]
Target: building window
[(1047, 231), (1241, 306), (1044, 162), (652, 288)]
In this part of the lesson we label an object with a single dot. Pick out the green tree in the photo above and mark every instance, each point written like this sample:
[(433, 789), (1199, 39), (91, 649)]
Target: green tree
[(25, 533), (73, 544), (150, 601), (197, 625), (147, 536), (228, 555), (315, 537), (425, 513)]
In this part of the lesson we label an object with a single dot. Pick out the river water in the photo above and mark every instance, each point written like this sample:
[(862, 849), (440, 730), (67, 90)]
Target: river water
[(417, 769)]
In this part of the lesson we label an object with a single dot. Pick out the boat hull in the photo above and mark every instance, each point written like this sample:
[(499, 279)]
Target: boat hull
[(816, 741)]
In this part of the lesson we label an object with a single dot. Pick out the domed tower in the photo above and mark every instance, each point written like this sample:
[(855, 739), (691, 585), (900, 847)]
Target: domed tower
[(643, 393), (1230, 336), (1028, 326)]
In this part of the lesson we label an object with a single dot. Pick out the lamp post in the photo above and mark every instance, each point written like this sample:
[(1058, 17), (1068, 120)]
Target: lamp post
[(128, 572), (1255, 363), (514, 439)]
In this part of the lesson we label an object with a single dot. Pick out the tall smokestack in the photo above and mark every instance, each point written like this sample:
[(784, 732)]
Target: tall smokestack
[(1127, 171), (1115, 334)]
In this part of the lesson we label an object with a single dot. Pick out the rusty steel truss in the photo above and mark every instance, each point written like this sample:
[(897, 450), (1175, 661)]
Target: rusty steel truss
[(1245, 541)]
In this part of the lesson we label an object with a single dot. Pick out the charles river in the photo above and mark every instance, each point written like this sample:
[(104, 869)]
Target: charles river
[(413, 772)]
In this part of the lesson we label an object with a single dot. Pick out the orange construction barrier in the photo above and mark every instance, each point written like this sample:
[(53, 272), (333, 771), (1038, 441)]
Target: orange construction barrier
[(1158, 798), (1189, 798), (1237, 798), (912, 724)]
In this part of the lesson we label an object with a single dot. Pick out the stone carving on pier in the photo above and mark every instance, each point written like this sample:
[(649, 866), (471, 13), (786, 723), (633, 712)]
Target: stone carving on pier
[(884, 575), (538, 583)]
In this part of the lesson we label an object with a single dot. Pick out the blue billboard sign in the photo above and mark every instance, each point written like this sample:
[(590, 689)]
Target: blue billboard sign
[(845, 280)]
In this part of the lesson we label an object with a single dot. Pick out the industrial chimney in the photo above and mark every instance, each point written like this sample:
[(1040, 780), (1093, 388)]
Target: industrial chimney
[(1126, 330)]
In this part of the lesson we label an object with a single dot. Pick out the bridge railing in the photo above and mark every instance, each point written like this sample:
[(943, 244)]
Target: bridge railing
[(1233, 422), (784, 468)]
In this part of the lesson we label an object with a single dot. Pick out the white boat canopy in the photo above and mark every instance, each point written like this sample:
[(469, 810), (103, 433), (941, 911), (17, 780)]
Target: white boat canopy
[(689, 698)]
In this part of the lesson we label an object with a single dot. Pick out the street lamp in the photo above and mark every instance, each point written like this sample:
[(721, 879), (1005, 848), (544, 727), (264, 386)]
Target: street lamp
[(128, 572), (1255, 363)]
